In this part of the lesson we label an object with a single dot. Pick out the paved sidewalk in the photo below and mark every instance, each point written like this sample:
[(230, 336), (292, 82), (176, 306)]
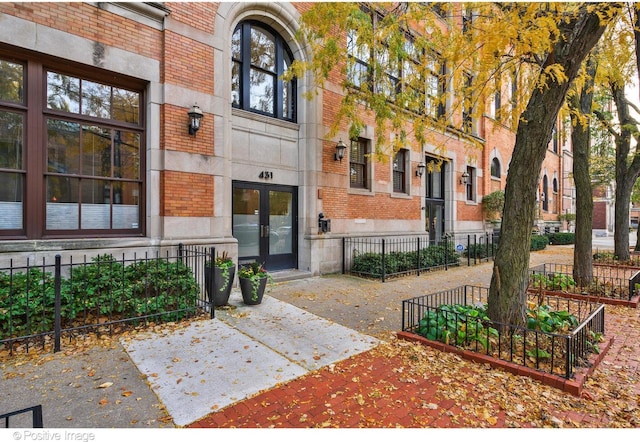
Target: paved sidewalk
[(316, 348)]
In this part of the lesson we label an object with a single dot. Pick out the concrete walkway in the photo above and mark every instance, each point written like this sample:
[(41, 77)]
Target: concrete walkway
[(246, 349)]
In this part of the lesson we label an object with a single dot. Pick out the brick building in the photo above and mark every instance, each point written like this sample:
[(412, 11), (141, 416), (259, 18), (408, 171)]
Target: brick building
[(97, 155)]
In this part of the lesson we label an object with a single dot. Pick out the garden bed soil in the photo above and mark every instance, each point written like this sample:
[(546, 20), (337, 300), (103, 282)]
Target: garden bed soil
[(572, 386)]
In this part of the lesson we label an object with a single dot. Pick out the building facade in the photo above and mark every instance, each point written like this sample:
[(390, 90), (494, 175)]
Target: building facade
[(97, 154)]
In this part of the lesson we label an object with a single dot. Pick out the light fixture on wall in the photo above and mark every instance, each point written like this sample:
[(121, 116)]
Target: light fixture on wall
[(340, 148), (420, 168), (195, 115), (464, 177)]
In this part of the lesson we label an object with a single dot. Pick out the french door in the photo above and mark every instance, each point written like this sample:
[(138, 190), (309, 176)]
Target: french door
[(265, 224)]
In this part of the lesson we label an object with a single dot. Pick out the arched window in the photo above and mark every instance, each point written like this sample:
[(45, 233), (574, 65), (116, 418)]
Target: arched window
[(495, 168), (259, 58)]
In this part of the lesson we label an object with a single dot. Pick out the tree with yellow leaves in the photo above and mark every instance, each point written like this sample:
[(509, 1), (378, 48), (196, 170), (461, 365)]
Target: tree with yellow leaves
[(542, 45)]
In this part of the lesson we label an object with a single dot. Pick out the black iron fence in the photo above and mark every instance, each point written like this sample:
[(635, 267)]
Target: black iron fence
[(383, 257), (39, 302), (609, 282), (437, 317), (36, 417)]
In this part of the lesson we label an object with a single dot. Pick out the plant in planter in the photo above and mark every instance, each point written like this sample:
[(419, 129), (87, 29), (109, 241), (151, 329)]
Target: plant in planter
[(253, 281), (492, 205), (223, 271)]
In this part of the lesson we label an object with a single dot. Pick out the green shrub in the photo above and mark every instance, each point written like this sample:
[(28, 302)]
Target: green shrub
[(457, 325), (561, 238), (539, 242), (399, 262), (102, 288), (368, 263), (26, 303), (479, 251)]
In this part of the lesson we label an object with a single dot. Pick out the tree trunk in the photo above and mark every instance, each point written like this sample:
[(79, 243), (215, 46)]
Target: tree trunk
[(507, 294), (581, 142), (627, 171)]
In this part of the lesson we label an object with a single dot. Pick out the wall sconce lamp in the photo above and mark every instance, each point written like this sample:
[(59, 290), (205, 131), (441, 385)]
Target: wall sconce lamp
[(420, 168), (464, 177), (195, 115), (340, 148)]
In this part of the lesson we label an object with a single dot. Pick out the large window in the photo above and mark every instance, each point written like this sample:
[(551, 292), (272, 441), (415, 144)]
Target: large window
[(359, 164), (359, 54), (259, 59), (84, 164), (436, 85)]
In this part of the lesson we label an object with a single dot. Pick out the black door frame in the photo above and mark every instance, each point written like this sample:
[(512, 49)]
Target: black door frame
[(271, 262)]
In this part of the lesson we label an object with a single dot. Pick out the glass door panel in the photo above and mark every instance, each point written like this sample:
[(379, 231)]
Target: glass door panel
[(246, 221), (280, 223)]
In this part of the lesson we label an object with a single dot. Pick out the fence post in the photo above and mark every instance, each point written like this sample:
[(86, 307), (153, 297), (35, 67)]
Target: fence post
[(344, 255), (418, 255), (487, 245), (468, 250), (57, 325), (180, 252), (212, 260), (383, 260), (446, 253)]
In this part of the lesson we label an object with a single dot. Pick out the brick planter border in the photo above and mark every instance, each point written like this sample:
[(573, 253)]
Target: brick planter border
[(572, 386)]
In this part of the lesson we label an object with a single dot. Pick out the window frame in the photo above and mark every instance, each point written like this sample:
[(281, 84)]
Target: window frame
[(495, 168), (36, 169), (283, 57), (400, 174), (470, 186), (361, 163)]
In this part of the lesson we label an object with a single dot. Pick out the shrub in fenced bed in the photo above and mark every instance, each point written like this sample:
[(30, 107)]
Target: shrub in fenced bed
[(468, 326), (367, 263), (539, 242), (103, 288), (158, 285), (26, 302), (399, 262), (479, 251), (561, 238)]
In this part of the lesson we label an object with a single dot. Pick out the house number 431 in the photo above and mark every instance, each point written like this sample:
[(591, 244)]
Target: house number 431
[(266, 174)]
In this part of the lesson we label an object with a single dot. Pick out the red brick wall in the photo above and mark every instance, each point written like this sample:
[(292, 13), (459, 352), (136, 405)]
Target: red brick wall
[(87, 21), (186, 194), (600, 215)]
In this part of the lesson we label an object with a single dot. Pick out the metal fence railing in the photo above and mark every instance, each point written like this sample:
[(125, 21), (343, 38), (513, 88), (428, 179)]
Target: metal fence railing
[(383, 257), (36, 417), (39, 302), (556, 353), (610, 282)]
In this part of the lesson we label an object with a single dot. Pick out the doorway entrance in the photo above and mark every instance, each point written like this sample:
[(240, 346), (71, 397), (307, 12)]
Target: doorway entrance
[(434, 198), (265, 222)]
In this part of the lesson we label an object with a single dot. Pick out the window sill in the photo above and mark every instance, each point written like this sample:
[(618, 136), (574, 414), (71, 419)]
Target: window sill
[(359, 191), (403, 196), (264, 118)]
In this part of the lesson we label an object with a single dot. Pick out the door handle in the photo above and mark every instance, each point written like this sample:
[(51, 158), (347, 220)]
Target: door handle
[(264, 231)]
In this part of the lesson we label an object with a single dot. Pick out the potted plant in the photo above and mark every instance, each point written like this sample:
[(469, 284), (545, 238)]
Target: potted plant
[(223, 271), (253, 281), (493, 205)]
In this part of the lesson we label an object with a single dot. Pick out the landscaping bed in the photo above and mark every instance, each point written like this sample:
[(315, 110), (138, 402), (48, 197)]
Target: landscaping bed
[(614, 285), (561, 345)]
